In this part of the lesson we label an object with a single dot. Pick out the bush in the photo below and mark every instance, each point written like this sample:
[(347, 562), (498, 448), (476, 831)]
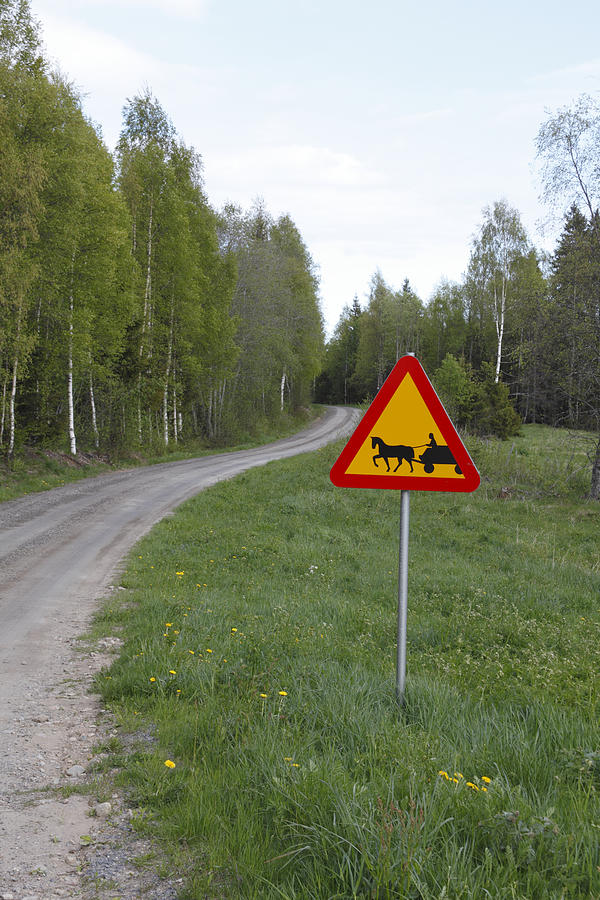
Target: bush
[(474, 401)]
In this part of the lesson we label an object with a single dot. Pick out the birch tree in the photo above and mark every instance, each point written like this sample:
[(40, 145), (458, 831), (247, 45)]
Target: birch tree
[(81, 308), (23, 97), (568, 149), (501, 241)]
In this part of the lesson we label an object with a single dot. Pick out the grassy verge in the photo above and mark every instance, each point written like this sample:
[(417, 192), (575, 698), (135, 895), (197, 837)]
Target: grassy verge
[(35, 470), (259, 627)]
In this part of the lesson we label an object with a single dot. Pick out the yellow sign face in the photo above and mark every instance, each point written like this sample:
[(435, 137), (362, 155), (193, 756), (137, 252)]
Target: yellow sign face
[(405, 423), (405, 440)]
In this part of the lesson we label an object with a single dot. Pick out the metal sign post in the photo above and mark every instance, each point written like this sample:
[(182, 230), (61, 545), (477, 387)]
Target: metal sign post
[(402, 596)]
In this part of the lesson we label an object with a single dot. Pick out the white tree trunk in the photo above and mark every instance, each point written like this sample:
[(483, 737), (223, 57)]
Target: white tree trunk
[(93, 406), (3, 417), (499, 313), (13, 394), (175, 420), (167, 373), (147, 317), (282, 389), (72, 439)]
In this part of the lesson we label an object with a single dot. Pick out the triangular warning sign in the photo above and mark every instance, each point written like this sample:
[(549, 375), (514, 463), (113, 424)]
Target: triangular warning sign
[(405, 440)]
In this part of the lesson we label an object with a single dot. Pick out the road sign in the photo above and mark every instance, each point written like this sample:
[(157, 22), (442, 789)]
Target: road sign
[(405, 440)]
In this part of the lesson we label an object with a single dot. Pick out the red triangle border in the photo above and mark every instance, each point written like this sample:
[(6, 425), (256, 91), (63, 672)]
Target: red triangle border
[(406, 365)]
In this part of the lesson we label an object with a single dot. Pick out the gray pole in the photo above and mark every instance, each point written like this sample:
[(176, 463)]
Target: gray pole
[(402, 596)]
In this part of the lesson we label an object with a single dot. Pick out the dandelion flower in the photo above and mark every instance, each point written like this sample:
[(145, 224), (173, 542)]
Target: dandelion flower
[(471, 785), (287, 758), (169, 764), (264, 696), (233, 630), (486, 779), (168, 624), (153, 678), (283, 693), (296, 765), (208, 650), (191, 651), (172, 672)]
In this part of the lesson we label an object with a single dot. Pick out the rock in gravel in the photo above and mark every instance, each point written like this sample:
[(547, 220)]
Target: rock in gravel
[(103, 810), (76, 771)]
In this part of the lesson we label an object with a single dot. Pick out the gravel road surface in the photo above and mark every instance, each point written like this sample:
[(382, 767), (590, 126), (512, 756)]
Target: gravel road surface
[(59, 553)]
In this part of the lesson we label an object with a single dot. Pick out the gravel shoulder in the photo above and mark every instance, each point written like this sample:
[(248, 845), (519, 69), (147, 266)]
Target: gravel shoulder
[(60, 551)]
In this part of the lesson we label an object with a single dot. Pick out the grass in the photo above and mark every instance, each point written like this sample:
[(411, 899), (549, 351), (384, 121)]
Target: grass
[(260, 646), (38, 469)]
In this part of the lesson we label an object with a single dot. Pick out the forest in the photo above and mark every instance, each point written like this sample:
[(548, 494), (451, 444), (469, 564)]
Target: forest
[(134, 315)]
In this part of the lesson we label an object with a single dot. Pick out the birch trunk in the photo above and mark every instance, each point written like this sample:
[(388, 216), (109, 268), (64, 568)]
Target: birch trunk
[(147, 316), (3, 417), (175, 422), (13, 388), (93, 406), (282, 389), (167, 374), (13, 394), (499, 313), (72, 439)]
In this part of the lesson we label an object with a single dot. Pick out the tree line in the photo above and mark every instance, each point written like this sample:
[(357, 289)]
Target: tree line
[(131, 312), (518, 338)]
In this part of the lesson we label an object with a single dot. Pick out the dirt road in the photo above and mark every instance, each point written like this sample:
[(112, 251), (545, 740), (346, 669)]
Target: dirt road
[(59, 552)]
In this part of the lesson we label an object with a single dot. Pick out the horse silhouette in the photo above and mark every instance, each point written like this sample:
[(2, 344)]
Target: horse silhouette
[(385, 452)]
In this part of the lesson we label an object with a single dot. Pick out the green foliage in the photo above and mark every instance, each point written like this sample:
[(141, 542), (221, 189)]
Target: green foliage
[(476, 402), (295, 772)]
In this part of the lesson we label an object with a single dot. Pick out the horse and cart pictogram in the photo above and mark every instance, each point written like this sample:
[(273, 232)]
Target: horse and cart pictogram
[(434, 455)]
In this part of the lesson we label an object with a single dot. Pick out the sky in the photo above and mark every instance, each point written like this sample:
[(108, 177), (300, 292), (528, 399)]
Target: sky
[(383, 128)]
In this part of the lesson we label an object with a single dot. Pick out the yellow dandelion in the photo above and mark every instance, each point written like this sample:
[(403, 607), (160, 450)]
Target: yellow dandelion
[(191, 651), (486, 779), (172, 672), (208, 650), (153, 678), (471, 785), (445, 774), (283, 693), (169, 764), (484, 789), (264, 696), (168, 624), (287, 758), (458, 775), (233, 630)]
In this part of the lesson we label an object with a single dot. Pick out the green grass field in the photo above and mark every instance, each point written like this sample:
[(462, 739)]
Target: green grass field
[(260, 628)]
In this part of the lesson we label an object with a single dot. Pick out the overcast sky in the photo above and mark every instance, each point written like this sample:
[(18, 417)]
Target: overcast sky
[(382, 127)]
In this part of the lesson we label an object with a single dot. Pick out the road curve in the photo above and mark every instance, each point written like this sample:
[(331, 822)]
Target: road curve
[(59, 549), (59, 552)]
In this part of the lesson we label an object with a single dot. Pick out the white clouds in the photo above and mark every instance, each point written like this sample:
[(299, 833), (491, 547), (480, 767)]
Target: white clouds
[(293, 166), (383, 154), (190, 9)]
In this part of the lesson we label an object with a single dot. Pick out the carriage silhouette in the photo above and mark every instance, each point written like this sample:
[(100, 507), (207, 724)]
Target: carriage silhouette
[(434, 455)]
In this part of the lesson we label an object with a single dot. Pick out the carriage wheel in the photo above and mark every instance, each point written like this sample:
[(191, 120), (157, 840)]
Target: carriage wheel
[(428, 468), (458, 470)]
